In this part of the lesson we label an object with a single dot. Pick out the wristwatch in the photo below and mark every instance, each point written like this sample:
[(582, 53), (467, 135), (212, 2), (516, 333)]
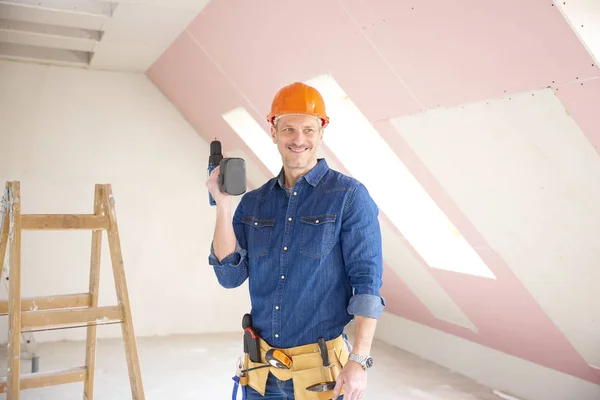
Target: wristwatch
[(365, 361)]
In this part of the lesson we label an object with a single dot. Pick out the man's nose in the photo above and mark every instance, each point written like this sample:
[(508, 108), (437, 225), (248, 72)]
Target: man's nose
[(297, 137)]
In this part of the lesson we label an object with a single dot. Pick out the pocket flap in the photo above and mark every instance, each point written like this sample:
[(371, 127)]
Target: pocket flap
[(308, 370), (258, 222), (306, 361), (318, 219), (313, 360)]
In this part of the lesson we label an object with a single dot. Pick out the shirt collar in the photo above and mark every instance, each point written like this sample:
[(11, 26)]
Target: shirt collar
[(313, 177)]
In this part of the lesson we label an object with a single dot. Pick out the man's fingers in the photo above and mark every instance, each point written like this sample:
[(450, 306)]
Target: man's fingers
[(349, 391), (338, 387), (353, 390), (357, 395)]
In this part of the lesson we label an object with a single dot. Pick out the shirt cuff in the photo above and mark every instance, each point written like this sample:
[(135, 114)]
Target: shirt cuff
[(232, 259), (366, 305)]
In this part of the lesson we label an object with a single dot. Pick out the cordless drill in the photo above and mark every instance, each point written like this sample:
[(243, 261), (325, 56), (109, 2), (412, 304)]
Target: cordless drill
[(214, 160), (232, 172)]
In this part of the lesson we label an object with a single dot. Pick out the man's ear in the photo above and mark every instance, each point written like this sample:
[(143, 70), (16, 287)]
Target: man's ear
[(274, 134)]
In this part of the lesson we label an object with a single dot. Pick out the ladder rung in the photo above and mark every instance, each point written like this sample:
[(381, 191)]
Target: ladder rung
[(34, 320), (50, 378), (49, 302), (64, 221)]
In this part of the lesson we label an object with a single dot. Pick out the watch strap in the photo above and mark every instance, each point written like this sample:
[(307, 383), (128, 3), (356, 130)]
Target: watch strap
[(364, 361)]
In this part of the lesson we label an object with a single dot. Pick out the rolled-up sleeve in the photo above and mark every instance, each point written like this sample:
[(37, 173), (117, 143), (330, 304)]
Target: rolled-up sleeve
[(362, 252), (232, 270)]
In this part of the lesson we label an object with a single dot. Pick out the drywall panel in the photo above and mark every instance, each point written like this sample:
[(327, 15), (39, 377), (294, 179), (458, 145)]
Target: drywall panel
[(582, 101), (248, 44), (526, 177), (449, 52), (584, 18)]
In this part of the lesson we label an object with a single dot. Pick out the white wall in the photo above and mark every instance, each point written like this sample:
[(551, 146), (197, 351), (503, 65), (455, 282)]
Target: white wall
[(62, 131)]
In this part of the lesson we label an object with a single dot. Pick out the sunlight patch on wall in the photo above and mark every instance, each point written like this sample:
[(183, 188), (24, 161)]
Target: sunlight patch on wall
[(403, 261), (365, 154), (250, 131)]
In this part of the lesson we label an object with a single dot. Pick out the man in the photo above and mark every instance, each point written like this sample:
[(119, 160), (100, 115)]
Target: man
[(309, 242)]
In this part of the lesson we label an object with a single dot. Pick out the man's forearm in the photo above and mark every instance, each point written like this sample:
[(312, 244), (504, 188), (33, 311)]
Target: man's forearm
[(364, 331), (224, 239)]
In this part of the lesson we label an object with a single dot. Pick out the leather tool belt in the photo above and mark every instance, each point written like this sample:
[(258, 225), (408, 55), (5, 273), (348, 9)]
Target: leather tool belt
[(306, 369)]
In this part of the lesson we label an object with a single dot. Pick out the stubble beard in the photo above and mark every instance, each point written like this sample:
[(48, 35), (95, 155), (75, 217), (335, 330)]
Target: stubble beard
[(302, 163)]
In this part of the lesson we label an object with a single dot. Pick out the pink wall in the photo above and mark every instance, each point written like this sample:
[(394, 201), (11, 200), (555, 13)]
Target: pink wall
[(395, 58)]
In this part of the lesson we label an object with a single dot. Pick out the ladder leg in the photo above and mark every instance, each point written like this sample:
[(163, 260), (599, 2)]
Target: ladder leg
[(28, 337), (90, 353), (131, 352), (4, 231), (14, 294)]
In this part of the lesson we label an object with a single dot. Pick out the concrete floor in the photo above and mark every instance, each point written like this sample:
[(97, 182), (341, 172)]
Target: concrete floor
[(198, 367)]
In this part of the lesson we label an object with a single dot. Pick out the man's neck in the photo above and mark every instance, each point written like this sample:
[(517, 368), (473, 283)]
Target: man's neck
[(292, 176)]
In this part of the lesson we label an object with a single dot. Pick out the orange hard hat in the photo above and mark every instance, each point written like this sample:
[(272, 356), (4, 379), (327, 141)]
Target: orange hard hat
[(298, 98)]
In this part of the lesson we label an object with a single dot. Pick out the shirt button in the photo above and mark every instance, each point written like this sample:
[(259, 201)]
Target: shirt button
[(277, 307), (290, 218), (285, 248), (276, 335), (282, 276), (295, 193)]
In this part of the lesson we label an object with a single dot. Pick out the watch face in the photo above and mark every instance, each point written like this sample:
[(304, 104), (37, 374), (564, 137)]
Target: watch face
[(369, 362)]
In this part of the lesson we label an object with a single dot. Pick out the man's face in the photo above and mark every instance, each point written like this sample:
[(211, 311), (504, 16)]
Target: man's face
[(298, 138)]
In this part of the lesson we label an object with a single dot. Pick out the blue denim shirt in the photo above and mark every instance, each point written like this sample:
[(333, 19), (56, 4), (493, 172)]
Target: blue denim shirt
[(313, 256)]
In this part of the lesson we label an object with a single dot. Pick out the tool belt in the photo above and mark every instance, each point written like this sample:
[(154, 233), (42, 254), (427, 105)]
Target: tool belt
[(305, 370)]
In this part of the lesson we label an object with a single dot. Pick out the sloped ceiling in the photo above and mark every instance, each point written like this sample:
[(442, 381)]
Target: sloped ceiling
[(492, 106)]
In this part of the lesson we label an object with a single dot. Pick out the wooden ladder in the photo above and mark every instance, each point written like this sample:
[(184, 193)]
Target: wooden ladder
[(64, 311)]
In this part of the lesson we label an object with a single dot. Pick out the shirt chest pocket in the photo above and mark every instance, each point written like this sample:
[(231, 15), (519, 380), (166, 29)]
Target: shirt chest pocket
[(258, 235), (317, 235)]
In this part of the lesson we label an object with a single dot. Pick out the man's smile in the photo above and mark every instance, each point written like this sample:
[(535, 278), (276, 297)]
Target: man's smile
[(297, 150)]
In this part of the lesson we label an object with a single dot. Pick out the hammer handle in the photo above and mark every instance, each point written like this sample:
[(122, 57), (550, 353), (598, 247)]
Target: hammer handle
[(323, 350)]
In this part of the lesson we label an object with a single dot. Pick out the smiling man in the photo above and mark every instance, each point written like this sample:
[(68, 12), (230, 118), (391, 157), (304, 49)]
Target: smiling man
[(309, 243)]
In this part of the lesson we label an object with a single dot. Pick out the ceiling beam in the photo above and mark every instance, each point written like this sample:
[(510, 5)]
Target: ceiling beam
[(44, 55), (43, 35), (92, 7), (84, 17)]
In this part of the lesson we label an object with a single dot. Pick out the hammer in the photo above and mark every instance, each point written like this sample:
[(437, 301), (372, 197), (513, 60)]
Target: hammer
[(325, 385)]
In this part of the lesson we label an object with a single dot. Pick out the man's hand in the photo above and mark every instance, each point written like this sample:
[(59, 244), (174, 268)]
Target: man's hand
[(213, 186), (224, 240), (353, 379)]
